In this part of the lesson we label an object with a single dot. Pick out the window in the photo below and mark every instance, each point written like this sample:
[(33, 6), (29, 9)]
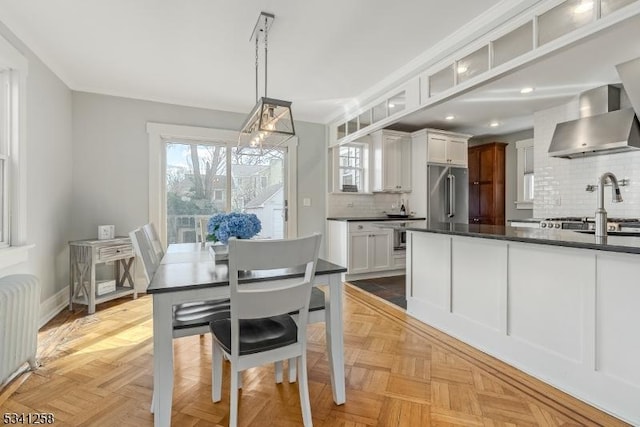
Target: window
[(351, 167), (173, 172), (5, 107), (13, 196), (525, 174)]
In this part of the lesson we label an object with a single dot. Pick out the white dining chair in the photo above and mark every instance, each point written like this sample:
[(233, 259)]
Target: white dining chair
[(156, 245), (188, 319), (260, 329)]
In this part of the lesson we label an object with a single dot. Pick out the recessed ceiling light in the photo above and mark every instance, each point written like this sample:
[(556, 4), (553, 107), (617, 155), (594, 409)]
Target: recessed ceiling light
[(462, 69), (392, 105), (584, 6), (494, 124), (449, 117), (525, 90)]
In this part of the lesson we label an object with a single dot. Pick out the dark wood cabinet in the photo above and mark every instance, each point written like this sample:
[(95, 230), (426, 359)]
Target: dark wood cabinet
[(486, 183)]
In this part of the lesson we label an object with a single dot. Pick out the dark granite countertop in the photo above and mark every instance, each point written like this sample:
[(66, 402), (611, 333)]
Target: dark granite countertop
[(375, 218), (566, 238)]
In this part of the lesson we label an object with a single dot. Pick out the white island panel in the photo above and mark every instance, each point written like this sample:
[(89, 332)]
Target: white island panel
[(479, 281), (548, 288), (431, 270), (617, 312), (566, 315)]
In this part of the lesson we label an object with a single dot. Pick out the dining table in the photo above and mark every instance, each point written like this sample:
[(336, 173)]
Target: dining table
[(188, 273)]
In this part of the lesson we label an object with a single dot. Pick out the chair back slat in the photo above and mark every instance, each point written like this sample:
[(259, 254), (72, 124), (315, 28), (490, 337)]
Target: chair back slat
[(272, 254), (144, 251), (154, 239), (272, 300)]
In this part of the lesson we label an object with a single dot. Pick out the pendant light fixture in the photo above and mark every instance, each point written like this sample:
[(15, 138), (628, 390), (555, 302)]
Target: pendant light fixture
[(270, 122)]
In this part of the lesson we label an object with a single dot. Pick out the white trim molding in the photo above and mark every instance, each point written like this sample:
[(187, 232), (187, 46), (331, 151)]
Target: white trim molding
[(53, 305), (159, 133)]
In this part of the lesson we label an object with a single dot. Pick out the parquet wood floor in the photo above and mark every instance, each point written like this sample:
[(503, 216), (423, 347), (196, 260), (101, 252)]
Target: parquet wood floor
[(97, 371)]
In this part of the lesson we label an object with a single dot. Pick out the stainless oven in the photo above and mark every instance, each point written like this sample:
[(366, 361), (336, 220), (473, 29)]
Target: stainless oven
[(399, 239)]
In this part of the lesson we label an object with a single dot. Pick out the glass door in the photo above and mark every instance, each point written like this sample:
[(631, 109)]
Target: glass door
[(205, 178), (258, 186), (196, 180)]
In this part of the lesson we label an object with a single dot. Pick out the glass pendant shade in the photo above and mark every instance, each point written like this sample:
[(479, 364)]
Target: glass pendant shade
[(269, 123)]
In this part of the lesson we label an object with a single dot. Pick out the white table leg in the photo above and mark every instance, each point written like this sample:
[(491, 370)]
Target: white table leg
[(162, 360), (335, 342)]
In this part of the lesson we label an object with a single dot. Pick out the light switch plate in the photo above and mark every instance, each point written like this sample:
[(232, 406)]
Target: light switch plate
[(306, 201)]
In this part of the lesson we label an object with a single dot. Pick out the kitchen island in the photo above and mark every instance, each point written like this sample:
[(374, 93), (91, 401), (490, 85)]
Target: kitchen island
[(559, 305)]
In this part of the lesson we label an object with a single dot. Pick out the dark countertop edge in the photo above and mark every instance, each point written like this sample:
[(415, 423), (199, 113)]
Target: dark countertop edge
[(380, 218), (551, 242), (323, 268)]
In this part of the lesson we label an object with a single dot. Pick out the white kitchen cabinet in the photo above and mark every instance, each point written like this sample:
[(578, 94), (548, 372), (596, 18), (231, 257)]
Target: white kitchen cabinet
[(363, 248), (391, 161), (444, 148), (370, 249), (359, 253)]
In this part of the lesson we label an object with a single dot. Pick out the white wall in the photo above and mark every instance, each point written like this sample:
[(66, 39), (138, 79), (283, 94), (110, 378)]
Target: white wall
[(511, 170), (49, 174), (110, 148), (560, 183)]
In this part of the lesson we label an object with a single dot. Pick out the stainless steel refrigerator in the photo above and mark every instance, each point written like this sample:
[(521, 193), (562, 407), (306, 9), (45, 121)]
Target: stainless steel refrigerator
[(448, 194)]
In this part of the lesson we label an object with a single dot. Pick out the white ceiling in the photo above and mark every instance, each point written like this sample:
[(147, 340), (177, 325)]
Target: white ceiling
[(197, 52)]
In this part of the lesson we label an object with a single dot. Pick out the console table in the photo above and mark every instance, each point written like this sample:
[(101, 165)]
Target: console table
[(84, 255)]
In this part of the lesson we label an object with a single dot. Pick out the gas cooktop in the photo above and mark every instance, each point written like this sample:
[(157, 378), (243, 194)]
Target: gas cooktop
[(588, 223)]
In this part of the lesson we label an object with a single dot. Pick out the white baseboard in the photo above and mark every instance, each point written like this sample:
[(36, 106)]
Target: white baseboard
[(53, 305), (373, 275)]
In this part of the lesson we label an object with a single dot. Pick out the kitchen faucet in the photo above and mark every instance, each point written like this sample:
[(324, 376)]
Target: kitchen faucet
[(601, 213)]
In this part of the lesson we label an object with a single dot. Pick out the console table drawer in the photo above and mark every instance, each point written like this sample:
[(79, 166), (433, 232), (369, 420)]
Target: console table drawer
[(114, 252)]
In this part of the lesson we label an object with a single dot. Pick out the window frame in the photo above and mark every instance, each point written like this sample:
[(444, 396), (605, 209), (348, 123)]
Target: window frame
[(14, 248), (160, 133), (522, 148), (364, 167)]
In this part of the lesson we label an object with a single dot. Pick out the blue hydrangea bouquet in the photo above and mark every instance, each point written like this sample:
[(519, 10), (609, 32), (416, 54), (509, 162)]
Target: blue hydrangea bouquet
[(223, 226)]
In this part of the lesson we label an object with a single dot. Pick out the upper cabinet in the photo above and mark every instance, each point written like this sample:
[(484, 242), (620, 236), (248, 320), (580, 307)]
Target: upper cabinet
[(391, 161), (445, 148)]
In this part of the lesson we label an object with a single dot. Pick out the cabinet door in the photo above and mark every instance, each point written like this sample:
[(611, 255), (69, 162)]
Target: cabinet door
[(405, 165), (392, 153), (359, 252), (437, 149), (457, 151), (486, 175), (380, 250), (474, 185)]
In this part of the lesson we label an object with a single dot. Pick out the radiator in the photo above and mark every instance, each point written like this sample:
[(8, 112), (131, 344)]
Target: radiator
[(19, 306)]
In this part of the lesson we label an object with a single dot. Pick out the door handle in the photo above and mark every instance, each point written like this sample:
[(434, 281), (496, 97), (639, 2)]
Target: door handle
[(452, 195)]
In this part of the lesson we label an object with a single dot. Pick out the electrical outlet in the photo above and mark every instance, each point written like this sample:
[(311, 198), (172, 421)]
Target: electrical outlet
[(350, 204), (306, 201), (557, 201)]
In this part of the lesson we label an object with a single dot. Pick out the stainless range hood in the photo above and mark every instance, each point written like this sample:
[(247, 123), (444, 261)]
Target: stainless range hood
[(603, 128)]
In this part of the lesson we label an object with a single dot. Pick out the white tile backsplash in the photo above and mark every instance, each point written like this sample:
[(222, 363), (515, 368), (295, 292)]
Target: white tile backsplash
[(560, 183), (365, 205)]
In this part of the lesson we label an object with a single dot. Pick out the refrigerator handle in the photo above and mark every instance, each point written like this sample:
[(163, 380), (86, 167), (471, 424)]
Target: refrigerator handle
[(452, 196)]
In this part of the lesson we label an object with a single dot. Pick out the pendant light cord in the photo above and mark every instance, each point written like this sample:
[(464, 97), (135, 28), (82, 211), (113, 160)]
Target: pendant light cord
[(257, 66), (266, 47)]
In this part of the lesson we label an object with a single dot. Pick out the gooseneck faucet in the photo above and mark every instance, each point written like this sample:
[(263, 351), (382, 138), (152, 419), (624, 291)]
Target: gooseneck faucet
[(601, 213)]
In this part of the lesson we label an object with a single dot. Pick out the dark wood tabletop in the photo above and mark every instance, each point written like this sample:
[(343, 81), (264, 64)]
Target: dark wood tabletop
[(182, 273)]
